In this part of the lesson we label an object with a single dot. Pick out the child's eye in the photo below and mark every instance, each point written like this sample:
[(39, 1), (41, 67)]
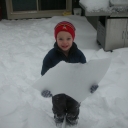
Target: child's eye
[(68, 38), (60, 39)]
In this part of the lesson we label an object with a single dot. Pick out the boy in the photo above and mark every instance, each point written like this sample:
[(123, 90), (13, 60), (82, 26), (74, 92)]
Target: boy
[(64, 50)]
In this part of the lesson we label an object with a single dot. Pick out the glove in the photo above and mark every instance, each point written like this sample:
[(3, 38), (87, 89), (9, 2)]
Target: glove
[(93, 88), (46, 93)]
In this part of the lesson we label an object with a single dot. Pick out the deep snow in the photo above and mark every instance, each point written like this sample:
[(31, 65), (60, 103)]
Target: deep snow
[(23, 44)]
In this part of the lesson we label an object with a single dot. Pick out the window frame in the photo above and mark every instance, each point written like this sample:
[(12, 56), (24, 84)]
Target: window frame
[(37, 13)]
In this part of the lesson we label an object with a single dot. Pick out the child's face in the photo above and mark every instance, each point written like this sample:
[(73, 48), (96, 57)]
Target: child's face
[(64, 40)]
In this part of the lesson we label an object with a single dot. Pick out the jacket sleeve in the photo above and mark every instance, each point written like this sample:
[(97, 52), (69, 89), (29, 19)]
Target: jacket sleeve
[(47, 64), (82, 58)]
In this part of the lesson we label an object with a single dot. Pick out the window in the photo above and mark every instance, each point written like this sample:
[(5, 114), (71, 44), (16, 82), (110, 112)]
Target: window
[(24, 5), (17, 9), (52, 4)]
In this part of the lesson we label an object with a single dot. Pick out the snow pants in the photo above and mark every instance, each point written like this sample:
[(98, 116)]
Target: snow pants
[(64, 105)]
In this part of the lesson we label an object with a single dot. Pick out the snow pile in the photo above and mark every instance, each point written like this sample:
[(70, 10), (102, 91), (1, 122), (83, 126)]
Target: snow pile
[(95, 5), (119, 2), (23, 44), (104, 5), (108, 106)]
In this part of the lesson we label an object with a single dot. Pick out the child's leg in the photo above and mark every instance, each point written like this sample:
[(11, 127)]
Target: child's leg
[(59, 107), (72, 111)]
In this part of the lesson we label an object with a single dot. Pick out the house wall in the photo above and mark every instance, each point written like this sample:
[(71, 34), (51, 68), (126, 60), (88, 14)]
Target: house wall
[(4, 12)]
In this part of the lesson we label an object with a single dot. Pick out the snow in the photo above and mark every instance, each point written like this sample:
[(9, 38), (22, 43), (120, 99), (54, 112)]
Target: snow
[(119, 2), (23, 44), (98, 5), (75, 79)]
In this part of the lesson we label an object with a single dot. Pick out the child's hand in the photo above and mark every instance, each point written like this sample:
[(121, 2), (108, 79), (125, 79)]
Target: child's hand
[(93, 88), (46, 93)]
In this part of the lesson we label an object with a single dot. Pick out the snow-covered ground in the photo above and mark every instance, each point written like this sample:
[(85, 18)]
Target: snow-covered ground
[(23, 44)]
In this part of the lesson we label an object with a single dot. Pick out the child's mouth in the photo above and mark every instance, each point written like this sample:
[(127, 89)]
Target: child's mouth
[(64, 46)]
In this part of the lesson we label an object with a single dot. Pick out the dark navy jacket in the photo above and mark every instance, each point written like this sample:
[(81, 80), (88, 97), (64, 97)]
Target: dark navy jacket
[(55, 55)]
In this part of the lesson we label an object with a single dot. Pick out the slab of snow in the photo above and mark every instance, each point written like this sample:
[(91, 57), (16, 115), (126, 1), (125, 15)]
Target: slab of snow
[(74, 80)]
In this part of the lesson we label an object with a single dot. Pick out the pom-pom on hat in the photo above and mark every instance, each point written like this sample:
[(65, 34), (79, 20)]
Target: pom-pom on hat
[(64, 26)]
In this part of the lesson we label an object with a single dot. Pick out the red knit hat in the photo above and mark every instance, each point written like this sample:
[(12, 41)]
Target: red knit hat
[(64, 26)]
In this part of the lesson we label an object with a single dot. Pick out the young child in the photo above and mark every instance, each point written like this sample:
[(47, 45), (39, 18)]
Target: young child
[(66, 50)]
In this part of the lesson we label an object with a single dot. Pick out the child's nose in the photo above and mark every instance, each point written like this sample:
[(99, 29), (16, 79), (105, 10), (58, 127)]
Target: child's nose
[(64, 41)]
